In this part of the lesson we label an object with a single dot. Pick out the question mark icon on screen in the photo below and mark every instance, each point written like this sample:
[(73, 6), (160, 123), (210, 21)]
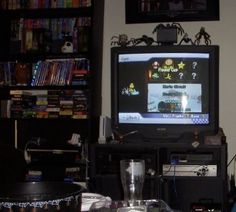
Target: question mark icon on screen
[(194, 75), (181, 75), (194, 65)]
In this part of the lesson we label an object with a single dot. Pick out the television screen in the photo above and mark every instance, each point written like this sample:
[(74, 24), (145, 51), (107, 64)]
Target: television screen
[(165, 91)]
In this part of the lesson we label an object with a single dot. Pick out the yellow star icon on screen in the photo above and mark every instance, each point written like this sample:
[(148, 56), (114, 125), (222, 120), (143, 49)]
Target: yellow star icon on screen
[(168, 77), (181, 65)]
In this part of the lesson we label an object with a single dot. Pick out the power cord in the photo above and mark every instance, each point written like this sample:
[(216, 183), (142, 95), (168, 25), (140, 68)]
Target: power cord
[(231, 160), (173, 163)]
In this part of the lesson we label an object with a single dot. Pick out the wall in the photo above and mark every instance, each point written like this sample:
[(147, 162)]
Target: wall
[(223, 33)]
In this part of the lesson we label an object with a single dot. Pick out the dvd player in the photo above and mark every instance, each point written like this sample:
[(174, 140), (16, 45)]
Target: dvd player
[(189, 170)]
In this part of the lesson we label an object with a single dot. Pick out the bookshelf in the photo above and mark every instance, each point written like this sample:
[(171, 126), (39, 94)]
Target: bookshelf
[(50, 75)]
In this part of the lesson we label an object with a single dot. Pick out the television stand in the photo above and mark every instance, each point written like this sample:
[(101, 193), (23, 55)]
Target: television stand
[(191, 187)]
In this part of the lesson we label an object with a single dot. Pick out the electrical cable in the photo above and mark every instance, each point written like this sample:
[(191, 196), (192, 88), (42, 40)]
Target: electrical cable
[(27, 156), (231, 160), (174, 181), (234, 167)]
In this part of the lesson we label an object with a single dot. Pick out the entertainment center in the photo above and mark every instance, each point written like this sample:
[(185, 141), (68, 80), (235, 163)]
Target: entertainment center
[(164, 109), (199, 179)]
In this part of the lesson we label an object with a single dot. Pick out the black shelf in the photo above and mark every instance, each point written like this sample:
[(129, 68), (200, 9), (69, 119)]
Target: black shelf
[(36, 56), (177, 191), (48, 87), (47, 13), (56, 131)]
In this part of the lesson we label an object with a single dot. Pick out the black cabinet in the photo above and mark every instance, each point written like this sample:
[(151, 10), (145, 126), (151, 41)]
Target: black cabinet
[(183, 176), (50, 73)]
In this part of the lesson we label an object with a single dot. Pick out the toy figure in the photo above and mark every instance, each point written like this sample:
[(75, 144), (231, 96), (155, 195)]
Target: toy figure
[(202, 34)]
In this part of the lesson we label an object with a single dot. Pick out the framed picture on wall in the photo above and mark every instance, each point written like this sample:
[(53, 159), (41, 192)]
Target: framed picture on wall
[(149, 11)]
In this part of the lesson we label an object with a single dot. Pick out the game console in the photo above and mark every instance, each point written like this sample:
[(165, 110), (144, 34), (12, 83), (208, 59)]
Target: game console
[(104, 129), (190, 170)]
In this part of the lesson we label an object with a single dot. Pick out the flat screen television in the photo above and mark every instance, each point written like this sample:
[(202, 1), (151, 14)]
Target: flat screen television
[(165, 92)]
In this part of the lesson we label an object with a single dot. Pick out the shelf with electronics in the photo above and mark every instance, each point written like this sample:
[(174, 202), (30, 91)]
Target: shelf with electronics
[(50, 71)]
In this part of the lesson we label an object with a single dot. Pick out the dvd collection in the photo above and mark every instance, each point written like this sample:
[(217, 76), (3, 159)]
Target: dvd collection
[(53, 72), (49, 35), (55, 103), (51, 102), (36, 4)]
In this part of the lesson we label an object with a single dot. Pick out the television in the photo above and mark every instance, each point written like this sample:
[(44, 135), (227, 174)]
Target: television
[(165, 92)]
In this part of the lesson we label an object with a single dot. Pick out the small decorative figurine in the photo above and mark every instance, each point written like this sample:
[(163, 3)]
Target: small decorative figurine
[(168, 34), (186, 39), (22, 73), (67, 47), (121, 40), (202, 34), (144, 39)]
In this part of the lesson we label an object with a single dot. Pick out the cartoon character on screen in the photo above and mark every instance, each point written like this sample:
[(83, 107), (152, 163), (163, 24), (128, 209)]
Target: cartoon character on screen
[(130, 90), (153, 72), (168, 64)]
